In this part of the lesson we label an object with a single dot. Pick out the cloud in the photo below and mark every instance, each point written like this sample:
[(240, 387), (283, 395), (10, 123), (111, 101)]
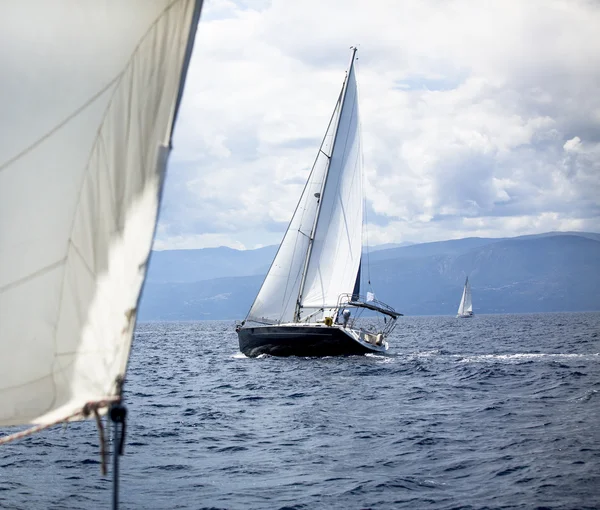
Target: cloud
[(477, 118)]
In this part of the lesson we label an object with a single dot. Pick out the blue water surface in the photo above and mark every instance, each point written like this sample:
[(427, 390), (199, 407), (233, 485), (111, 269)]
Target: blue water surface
[(498, 411)]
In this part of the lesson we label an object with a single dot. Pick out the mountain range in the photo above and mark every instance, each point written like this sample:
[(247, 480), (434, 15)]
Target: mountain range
[(555, 271)]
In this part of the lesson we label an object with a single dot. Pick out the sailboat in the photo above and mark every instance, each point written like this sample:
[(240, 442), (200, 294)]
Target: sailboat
[(310, 300), (465, 309), (90, 95)]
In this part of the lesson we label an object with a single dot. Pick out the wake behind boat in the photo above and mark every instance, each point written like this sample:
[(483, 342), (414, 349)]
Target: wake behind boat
[(310, 303)]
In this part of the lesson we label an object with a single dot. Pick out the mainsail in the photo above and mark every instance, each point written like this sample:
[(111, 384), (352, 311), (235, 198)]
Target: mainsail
[(466, 304), (90, 93), (319, 256)]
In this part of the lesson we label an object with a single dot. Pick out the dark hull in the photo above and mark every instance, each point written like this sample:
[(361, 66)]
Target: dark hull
[(299, 341)]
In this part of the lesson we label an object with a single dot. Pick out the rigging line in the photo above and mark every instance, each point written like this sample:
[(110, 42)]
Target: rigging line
[(289, 273), (304, 190), (102, 442)]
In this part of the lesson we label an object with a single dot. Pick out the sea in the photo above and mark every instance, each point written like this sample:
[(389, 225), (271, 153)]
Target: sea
[(492, 412)]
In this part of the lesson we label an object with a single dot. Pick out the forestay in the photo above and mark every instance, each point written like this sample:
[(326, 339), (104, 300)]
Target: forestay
[(89, 95)]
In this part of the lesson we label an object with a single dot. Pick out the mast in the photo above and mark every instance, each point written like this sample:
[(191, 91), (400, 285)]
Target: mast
[(289, 227), (321, 194)]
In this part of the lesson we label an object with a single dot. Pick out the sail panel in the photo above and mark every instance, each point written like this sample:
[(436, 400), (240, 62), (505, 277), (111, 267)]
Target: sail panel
[(336, 252), (468, 304), (276, 300), (461, 306), (90, 92)]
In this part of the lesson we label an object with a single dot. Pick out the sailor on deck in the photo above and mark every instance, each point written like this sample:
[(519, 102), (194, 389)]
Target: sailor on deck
[(343, 317)]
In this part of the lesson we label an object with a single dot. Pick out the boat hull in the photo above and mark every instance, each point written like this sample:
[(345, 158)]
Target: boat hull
[(465, 315), (303, 341)]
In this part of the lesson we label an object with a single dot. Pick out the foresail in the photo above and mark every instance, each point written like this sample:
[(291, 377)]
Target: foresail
[(468, 304), (461, 306), (276, 300), (336, 251), (89, 95)]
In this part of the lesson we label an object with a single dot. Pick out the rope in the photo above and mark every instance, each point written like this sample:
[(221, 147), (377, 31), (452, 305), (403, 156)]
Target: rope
[(102, 442)]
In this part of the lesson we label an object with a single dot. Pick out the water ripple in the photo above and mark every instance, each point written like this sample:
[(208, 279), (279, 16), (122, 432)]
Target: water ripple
[(494, 412)]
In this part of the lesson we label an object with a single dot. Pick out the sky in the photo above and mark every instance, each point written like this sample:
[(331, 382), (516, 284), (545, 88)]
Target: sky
[(478, 118)]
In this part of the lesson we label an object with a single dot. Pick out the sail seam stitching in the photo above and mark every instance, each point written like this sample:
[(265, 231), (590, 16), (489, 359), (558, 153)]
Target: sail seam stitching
[(58, 126), (33, 275)]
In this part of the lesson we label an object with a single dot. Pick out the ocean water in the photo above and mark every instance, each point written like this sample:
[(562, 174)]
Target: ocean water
[(498, 411)]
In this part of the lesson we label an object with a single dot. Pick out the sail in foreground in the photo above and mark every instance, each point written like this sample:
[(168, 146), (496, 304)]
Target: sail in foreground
[(315, 274), (90, 93), (465, 308)]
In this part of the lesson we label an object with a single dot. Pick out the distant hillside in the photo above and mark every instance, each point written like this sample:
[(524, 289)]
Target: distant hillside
[(387, 246), (458, 246), (185, 266), (543, 273), (221, 298), (452, 247)]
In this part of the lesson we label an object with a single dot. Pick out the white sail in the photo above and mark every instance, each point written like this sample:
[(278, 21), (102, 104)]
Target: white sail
[(336, 252), (89, 94), (461, 306), (276, 300), (466, 304)]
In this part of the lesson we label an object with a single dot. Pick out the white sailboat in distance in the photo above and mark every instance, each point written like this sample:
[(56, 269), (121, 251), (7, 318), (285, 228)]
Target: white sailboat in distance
[(310, 298), (465, 308)]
